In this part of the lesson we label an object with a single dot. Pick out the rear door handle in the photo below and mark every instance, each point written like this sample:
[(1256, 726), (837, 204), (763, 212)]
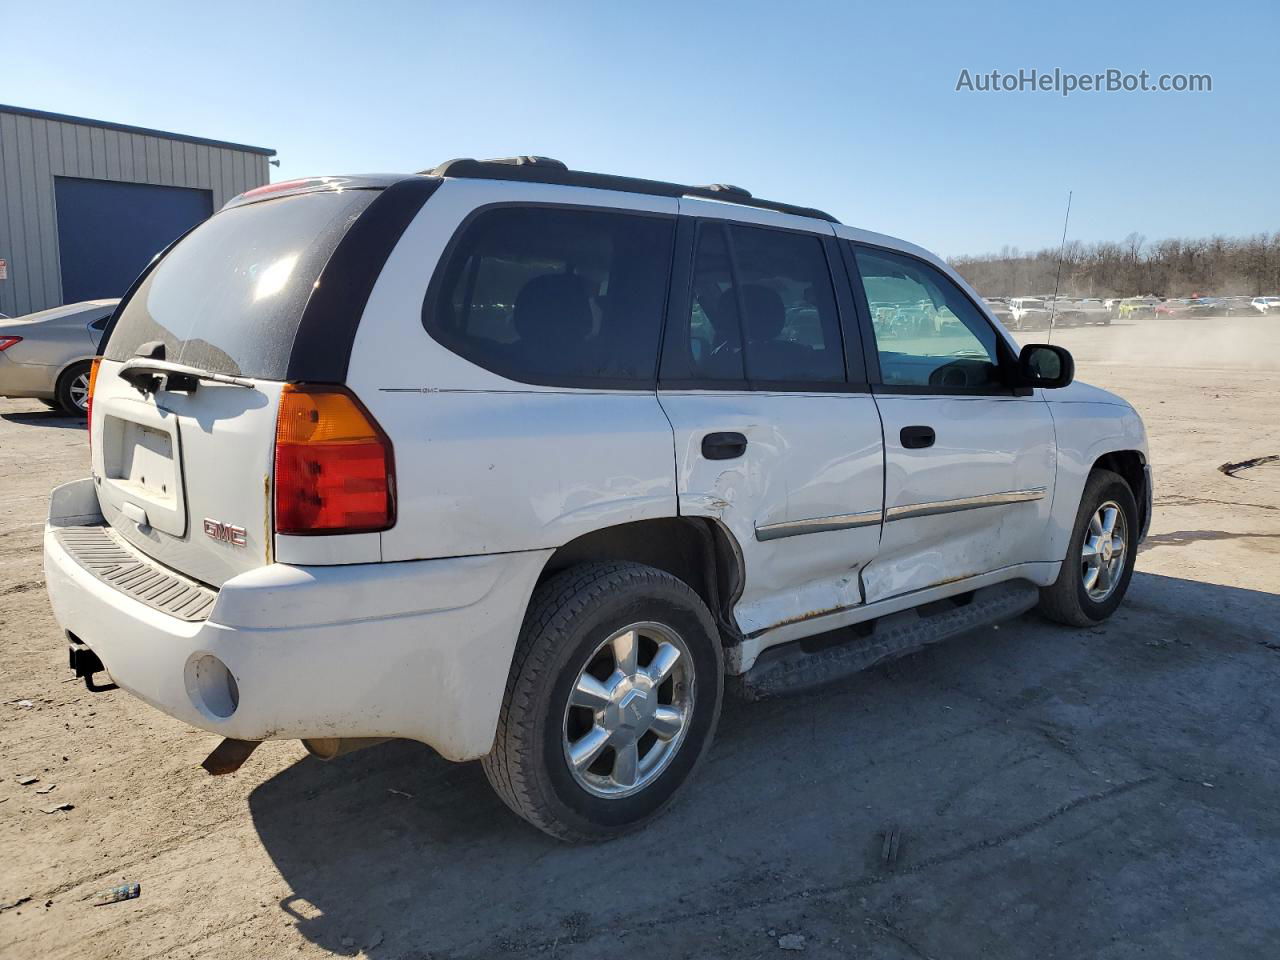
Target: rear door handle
[(723, 446), (917, 438)]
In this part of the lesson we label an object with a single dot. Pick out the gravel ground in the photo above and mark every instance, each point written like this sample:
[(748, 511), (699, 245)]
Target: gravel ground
[(1049, 792)]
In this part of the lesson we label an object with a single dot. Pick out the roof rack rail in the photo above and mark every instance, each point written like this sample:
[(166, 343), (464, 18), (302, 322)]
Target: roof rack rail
[(546, 170)]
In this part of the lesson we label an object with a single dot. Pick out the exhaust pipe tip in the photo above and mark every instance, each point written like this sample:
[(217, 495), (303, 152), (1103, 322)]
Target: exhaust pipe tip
[(327, 748)]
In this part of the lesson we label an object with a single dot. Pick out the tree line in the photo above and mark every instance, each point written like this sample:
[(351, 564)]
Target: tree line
[(1212, 266)]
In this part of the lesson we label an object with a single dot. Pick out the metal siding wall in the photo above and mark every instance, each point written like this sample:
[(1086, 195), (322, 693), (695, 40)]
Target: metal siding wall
[(34, 150)]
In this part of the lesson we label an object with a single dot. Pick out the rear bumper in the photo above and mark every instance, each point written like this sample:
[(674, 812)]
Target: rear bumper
[(417, 649)]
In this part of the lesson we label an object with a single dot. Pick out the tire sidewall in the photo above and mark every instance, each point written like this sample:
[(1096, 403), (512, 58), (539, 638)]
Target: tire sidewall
[(662, 603), (1101, 488)]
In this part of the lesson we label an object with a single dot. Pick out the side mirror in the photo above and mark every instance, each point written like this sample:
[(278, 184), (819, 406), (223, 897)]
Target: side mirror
[(1044, 365)]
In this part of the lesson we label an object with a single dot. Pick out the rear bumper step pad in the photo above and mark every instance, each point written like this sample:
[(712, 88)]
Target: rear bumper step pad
[(102, 552), (790, 668)]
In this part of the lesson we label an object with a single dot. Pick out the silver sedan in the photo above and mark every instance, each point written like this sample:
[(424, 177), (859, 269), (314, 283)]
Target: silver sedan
[(47, 355)]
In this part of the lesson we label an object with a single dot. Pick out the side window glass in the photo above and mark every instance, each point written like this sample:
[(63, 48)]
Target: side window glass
[(100, 324), (715, 338), (927, 331), (556, 295), (788, 307)]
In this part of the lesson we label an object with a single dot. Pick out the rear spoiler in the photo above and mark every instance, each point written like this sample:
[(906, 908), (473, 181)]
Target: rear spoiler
[(291, 188)]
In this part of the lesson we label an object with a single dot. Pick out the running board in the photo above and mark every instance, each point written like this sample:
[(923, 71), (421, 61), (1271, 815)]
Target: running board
[(804, 664)]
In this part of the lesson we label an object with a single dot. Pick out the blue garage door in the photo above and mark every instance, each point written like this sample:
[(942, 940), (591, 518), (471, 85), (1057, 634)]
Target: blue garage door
[(109, 231)]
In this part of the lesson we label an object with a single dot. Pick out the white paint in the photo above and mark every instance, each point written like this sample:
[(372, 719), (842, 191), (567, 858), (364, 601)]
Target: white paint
[(327, 640)]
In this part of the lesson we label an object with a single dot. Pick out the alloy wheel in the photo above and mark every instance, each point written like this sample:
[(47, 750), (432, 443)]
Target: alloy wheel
[(629, 710), (1102, 556), (78, 390)]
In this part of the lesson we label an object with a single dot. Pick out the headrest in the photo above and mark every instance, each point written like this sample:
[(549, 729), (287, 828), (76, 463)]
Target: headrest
[(553, 308)]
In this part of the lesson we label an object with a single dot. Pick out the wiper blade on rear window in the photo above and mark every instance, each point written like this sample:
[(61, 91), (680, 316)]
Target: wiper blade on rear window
[(150, 376)]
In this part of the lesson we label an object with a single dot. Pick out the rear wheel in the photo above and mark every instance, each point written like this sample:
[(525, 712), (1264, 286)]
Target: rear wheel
[(1100, 559), (612, 700), (73, 389)]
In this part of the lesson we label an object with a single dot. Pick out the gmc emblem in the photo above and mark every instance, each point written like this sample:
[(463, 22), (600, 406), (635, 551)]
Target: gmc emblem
[(225, 532)]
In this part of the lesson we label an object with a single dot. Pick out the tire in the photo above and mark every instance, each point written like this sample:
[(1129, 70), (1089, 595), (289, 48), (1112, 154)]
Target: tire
[(565, 635), (73, 385), (1069, 599)]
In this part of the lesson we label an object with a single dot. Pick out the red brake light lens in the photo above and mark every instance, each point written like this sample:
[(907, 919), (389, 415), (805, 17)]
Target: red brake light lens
[(334, 471), (7, 342)]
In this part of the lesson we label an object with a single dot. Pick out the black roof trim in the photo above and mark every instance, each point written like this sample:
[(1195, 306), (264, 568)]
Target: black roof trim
[(547, 170), (126, 128)]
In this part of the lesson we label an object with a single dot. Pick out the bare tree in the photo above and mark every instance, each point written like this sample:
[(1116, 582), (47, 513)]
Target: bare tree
[(1176, 267)]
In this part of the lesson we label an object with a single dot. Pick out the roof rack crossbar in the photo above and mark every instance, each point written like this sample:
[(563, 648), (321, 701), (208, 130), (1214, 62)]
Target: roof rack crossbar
[(546, 170)]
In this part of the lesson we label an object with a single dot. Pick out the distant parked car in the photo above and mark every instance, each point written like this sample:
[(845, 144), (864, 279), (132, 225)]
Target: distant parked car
[(999, 309), (1173, 308), (1029, 313), (1091, 310), (1237, 306), (47, 355), (1133, 308), (1215, 307), (1266, 305)]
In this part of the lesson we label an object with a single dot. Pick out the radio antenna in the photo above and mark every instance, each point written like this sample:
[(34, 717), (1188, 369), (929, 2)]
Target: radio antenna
[(1053, 307)]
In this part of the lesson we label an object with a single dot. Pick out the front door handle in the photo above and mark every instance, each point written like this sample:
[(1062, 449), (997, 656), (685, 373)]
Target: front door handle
[(917, 438), (723, 446)]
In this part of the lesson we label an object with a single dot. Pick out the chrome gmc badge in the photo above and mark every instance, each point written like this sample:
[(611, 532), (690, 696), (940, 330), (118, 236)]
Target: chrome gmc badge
[(226, 532)]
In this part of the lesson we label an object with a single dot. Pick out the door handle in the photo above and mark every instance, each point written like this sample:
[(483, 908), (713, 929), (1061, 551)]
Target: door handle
[(917, 438), (723, 446)]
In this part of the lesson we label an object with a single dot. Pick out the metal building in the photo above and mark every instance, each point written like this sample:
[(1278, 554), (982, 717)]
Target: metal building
[(84, 205)]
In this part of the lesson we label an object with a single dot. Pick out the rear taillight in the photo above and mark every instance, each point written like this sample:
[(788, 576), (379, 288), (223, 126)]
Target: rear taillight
[(7, 342), (88, 402), (334, 467)]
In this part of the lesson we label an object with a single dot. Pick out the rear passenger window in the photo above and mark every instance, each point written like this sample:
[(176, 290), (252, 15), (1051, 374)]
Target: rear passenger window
[(762, 309), (556, 296)]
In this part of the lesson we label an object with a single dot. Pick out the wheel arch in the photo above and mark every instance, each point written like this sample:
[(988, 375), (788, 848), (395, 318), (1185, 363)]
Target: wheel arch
[(1131, 465), (700, 551)]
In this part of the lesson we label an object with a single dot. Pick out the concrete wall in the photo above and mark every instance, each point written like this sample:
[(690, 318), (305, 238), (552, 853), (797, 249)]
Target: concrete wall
[(34, 150)]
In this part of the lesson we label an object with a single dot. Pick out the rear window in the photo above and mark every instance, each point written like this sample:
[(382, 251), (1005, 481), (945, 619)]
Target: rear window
[(556, 295), (229, 297)]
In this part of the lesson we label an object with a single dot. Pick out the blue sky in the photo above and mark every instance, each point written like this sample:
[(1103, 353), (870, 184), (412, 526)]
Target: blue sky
[(850, 107)]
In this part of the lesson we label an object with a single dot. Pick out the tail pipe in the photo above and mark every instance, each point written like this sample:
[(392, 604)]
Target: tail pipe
[(326, 748)]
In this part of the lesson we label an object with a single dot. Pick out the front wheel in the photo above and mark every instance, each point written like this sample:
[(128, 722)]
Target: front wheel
[(612, 700), (1100, 558)]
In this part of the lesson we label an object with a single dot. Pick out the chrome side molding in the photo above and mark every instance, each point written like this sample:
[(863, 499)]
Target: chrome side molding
[(794, 528), (909, 510), (868, 518)]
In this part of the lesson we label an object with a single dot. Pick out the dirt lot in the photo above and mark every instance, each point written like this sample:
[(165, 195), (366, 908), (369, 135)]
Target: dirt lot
[(1056, 793)]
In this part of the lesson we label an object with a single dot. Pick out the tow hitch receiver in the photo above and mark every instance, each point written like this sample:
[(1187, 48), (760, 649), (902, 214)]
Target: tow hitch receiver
[(85, 663), (229, 755)]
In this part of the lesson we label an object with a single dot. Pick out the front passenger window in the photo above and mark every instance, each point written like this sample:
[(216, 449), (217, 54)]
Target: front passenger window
[(928, 333)]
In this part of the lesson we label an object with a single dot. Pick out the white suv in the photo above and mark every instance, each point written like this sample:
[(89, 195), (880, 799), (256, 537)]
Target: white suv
[(523, 462)]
